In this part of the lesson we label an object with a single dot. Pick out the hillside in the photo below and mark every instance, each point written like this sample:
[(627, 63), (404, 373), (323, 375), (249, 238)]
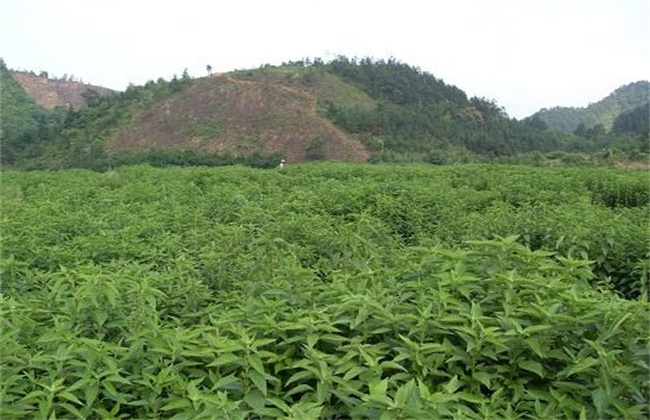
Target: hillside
[(51, 93), (605, 111), (224, 114), (377, 110), (345, 109)]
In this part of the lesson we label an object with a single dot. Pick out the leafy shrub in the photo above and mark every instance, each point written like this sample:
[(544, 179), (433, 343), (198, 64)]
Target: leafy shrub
[(321, 291)]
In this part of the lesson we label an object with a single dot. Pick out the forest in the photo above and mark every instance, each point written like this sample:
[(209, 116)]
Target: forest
[(325, 290), (408, 116)]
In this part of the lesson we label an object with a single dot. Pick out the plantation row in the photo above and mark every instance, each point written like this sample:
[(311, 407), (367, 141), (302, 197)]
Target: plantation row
[(323, 291)]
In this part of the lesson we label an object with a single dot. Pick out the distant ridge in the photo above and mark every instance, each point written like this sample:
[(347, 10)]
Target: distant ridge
[(605, 111)]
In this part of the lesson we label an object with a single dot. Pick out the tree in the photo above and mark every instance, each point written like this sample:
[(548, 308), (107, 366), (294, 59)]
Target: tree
[(488, 108), (633, 121), (596, 132), (536, 122), (209, 69), (581, 130)]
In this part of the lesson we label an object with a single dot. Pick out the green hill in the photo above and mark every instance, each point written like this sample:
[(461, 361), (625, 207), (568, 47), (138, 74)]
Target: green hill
[(605, 111), (25, 126), (344, 109)]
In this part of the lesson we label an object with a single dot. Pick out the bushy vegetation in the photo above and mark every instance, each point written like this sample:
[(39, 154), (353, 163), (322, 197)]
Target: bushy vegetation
[(417, 115), (325, 291)]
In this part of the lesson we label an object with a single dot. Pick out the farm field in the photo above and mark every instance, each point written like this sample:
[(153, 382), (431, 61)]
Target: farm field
[(325, 291)]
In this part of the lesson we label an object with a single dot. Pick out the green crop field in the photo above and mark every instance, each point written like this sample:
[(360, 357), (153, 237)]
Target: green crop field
[(325, 291)]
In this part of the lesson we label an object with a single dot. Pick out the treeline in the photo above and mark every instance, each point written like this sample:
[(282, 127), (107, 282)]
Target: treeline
[(97, 160)]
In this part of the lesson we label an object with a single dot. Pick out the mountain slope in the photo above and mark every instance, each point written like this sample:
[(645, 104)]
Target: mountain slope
[(224, 114), (605, 111), (51, 93), (376, 110), (24, 125)]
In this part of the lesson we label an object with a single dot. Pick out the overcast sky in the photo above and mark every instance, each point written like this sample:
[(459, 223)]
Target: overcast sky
[(525, 54)]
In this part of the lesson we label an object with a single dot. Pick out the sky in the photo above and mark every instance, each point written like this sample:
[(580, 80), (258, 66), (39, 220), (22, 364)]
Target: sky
[(523, 54)]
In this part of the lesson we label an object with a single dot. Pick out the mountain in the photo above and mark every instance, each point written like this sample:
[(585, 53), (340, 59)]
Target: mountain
[(224, 113), (605, 111), (344, 109), (52, 92)]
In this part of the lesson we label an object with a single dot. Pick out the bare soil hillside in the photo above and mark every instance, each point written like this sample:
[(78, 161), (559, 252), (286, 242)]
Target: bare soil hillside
[(50, 93), (222, 113)]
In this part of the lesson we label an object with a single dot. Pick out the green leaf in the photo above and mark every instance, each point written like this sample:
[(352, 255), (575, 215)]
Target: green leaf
[(177, 404), (392, 365), (303, 374), (452, 385), (354, 371), (583, 414), (425, 393), (227, 382), (302, 388), (370, 361), (256, 363), (600, 399), (534, 345), (466, 396), (312, 339), (581, 366), (70, 397), (260, 342), (226, 359), (532, 366), (192, 391), (73, 410), (536, 328), (259, 380), (90, 394), (305, 410), (484, 378), (378, 388), (255, 400), (405, 394), (279, 404)]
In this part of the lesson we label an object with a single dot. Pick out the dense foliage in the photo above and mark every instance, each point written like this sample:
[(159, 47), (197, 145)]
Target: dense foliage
[(325, 291), (603, 112), (420, 117)]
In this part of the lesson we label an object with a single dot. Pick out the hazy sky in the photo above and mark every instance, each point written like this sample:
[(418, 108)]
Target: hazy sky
[(525, 54)]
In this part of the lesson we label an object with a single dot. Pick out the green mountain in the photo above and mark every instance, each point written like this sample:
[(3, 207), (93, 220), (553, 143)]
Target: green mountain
[(344, 109), (603, 112)]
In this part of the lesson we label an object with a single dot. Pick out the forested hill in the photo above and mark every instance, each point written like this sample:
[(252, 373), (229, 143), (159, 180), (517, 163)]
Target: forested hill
[(344, 109), (604, 112)]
